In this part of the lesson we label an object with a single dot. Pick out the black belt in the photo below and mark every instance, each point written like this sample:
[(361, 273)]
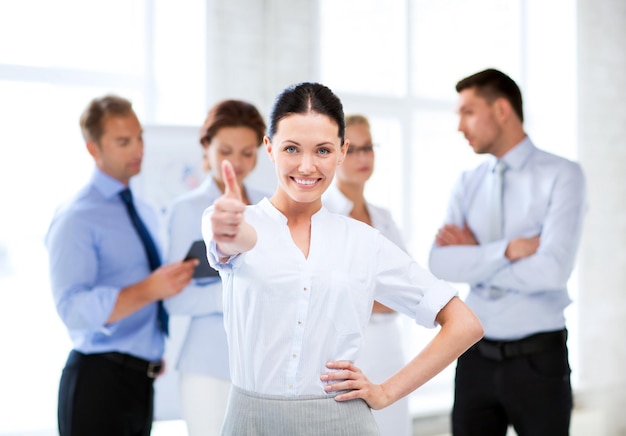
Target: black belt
[(500, 350), (150, 369)]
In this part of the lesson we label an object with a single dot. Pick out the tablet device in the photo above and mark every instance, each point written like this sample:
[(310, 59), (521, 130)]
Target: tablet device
[(203, 270)]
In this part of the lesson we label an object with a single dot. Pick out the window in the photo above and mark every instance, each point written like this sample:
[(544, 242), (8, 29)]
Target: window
[(52, 63), (451, 39), (100, 37), (397, 61), (363, 45)]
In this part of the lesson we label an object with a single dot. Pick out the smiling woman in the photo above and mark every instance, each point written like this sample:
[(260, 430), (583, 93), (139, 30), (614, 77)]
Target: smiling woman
[(57, 61), (296, 372), (306, 154)]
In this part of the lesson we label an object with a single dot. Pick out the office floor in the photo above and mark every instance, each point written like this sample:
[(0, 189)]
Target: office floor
[(584, 423), (169, 428)]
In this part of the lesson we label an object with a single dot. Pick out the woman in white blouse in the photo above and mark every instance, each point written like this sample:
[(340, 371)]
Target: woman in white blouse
[(380, 357), (232, 130), (300, 282)]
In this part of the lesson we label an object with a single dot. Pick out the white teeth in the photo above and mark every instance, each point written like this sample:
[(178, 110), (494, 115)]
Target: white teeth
[(305, 181)]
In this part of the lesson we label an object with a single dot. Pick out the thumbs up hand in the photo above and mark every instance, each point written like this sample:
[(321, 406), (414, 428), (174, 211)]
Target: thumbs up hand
[(230, 231), (232, 189)]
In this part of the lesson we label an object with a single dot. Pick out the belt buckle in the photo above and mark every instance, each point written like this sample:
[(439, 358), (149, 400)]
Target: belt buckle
[(153, 369)]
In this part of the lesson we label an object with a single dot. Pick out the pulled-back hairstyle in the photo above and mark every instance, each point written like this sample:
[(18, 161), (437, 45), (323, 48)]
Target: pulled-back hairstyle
[(357, 119), (492, 84), (306, 97), (232, 113), (92, 118)]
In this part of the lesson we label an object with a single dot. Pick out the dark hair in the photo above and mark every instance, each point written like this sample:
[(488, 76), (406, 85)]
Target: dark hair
[(306, 97), (492, 84), (92, 118), (232, 113)]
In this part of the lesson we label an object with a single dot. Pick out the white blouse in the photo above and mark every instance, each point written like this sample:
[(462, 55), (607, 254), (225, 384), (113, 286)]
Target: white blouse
[(337, 202), (287, 315)]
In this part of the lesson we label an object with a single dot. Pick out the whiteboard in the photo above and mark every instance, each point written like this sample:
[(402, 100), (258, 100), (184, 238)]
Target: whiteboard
[(172, 165)]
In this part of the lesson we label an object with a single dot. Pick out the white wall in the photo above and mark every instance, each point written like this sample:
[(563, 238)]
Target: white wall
[(257, 48), (602, 141)]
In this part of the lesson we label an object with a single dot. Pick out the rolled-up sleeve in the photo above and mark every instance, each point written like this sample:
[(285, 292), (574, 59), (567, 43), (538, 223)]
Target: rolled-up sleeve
[(407, 287)]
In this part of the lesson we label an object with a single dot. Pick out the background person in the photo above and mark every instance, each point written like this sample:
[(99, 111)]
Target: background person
[(380, 357), (108, 284), (300, 282), (517, 261), (232, 130)]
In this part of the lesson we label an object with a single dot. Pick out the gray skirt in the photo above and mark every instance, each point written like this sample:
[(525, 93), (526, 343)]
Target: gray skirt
[(252, 414)]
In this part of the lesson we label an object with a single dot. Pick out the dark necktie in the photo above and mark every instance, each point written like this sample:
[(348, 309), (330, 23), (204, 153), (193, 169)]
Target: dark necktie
[(148, 245)]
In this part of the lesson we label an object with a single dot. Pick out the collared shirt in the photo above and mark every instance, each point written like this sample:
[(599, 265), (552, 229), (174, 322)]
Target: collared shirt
[(543, 194), (286, 315), (381, 218), (204, 349), (94, 252)]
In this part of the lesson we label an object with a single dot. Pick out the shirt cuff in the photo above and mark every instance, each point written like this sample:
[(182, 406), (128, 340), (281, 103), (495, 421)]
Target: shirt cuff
[(435, 298)]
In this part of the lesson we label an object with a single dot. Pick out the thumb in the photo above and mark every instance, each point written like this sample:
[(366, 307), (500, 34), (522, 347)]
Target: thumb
[(231, 187)]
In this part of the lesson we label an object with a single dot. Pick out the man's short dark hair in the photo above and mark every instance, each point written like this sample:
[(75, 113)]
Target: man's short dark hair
[(492, 84)]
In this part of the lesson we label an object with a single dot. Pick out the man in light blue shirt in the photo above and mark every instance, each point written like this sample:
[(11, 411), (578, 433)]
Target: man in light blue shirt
[(106, 286), (513, 236)]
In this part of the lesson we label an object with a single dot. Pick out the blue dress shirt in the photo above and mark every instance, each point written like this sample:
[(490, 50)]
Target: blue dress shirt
[(543, 194), (95, 252)]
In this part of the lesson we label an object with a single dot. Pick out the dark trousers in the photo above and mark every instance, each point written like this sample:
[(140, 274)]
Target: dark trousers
[(530, 391), (98, 397)]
